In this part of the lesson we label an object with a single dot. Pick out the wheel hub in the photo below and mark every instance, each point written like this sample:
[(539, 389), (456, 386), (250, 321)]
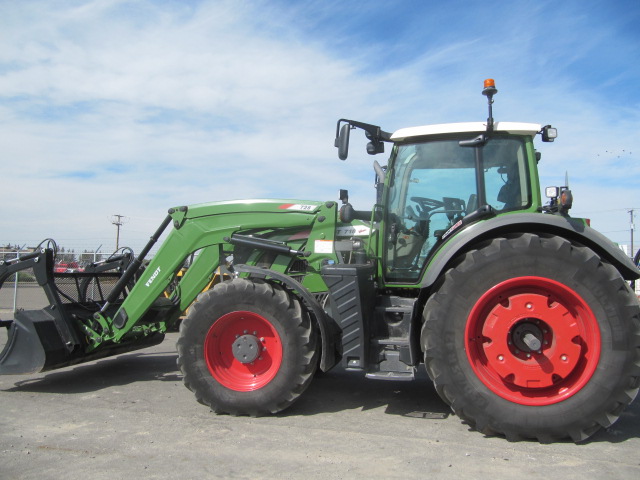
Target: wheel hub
[(246, 348), (527, 336)]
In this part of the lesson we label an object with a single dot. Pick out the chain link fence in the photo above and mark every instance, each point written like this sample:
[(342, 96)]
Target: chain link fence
[(21, 289)]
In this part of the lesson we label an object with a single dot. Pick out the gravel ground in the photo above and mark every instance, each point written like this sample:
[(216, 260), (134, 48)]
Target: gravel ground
[(131, 417)]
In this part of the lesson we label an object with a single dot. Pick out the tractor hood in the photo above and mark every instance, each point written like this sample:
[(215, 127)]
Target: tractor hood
[(249, 206)]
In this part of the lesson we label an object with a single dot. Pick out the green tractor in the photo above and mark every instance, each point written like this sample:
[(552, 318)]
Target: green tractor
[(522, 315)]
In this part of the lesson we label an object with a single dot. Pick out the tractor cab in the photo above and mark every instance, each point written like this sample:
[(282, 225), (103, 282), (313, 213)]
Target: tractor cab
[(442, 178)]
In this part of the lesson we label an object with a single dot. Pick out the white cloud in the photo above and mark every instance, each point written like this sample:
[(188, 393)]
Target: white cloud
[(181, 101), (177, 103)]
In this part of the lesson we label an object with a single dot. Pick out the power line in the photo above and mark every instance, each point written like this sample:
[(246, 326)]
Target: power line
[(591, 212)]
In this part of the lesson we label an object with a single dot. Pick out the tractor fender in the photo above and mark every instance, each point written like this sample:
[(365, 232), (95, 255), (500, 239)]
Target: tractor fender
[(329, 330), (570, 228)]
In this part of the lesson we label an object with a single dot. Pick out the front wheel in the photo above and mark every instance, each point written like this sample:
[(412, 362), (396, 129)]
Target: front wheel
[(247, 348), (533, 337)]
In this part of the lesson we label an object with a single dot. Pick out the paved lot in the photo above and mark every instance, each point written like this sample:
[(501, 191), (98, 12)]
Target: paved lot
[(131, 417)]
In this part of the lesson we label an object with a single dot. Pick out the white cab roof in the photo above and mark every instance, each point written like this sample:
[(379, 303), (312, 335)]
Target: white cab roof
[(466, 127)]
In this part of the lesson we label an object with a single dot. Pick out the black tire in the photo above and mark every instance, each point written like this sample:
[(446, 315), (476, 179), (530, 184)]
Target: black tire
[(583, 326), (247, 348)]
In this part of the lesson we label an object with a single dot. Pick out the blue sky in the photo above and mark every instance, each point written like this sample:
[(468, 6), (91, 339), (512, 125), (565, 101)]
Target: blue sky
[(131, 107)]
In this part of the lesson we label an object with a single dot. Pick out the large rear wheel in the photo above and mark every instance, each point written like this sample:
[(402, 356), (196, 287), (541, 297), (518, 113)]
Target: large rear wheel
[(534, 337), (247, 348)]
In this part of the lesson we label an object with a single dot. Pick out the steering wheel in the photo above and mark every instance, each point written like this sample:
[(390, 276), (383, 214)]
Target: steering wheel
[(427, 204)]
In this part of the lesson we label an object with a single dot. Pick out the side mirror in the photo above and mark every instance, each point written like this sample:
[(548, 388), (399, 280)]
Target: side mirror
[(373, 133), (342, 142)]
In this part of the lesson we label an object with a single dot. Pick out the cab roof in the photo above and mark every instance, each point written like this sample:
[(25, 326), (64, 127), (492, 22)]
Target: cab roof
[(517, 128)]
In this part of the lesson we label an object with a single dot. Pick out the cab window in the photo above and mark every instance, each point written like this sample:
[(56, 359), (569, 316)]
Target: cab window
[(433, 185)]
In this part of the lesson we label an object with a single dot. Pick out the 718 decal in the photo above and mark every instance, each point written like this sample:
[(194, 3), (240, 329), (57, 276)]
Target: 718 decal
[(297, 206)]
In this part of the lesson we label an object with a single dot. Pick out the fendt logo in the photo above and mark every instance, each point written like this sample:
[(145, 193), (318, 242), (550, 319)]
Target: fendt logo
[(153, 277)]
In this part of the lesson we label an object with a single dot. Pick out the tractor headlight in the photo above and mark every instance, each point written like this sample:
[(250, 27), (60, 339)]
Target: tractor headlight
[(549, 134), (551, 192)]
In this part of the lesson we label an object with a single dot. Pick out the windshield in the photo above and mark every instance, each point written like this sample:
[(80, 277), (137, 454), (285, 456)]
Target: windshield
[(434, 184)]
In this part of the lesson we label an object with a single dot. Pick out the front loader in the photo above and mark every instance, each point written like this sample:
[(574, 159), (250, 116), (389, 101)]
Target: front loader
[(522, 315)]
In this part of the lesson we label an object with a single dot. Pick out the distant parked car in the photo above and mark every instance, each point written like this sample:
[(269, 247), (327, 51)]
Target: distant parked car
[(70, 267)]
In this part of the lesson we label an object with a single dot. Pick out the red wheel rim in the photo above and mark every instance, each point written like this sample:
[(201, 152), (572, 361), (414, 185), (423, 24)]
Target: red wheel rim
[(554, 317), (225, 354)]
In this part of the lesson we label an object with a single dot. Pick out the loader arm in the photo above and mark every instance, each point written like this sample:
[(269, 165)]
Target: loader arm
[(206, 230), (136, 312)]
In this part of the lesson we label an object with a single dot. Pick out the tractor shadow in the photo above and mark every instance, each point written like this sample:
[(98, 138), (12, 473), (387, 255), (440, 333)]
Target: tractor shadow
[(122, 370), (335, 391), (340, 390)]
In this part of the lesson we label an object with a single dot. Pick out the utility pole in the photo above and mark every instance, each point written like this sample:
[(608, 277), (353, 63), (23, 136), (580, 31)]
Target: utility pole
[(117, 220), (631, 228)]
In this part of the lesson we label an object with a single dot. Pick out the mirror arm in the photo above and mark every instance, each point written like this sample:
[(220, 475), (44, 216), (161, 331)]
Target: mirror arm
[(374, 133)]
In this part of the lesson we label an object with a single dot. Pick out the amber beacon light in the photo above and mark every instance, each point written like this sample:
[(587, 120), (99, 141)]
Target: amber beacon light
[(489, 91)]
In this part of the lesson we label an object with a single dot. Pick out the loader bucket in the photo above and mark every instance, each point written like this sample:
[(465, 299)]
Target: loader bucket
[(39, 340), (23, 353), (34, 345)]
